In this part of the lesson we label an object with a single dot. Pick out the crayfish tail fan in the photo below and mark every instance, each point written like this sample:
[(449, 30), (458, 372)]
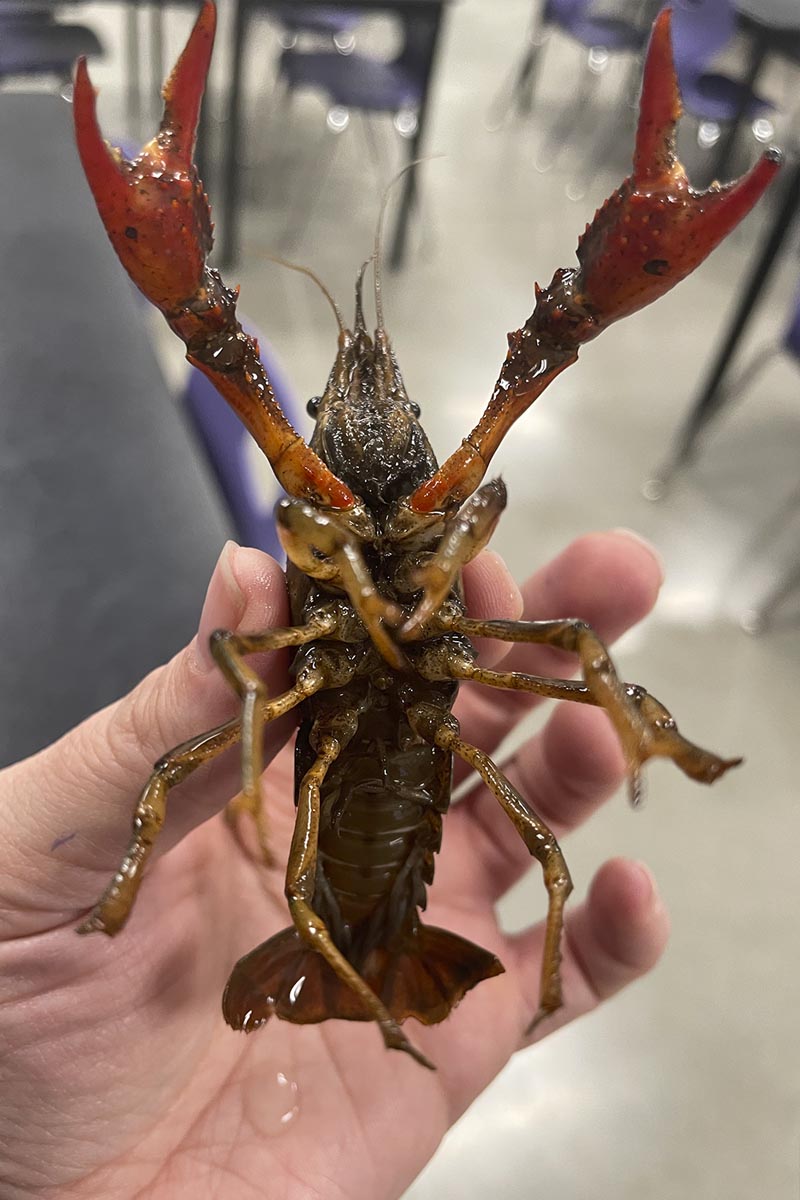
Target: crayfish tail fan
[(425, 977), (428, 973), (284, 977)]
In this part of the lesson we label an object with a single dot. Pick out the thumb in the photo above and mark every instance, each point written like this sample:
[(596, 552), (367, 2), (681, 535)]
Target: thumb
[(65, 813)]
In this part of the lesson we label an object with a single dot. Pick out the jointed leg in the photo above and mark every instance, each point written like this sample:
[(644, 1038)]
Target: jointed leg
[(465, 534), (302, 871), (327, 547), (442, 730), (229, 650), (113, 908), (644, 726)]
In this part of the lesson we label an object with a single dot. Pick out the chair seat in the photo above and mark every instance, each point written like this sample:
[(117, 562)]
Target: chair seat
[(321, 20), (353, 81), (610, 32), (714, 97), (37, 48)]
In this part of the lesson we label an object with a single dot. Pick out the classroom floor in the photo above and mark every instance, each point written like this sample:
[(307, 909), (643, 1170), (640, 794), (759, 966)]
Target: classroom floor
[(689, 1084)]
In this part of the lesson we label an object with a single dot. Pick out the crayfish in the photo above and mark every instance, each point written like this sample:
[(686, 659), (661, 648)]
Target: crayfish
[(376, 535)]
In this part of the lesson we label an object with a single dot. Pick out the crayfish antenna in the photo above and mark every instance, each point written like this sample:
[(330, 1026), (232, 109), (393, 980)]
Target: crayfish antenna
[(303, 270)]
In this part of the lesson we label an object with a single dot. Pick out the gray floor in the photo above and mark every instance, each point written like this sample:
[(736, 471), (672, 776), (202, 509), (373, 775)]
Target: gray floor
[(689, 1085)]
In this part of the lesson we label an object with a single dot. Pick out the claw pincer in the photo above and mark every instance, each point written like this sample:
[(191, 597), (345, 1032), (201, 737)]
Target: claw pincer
[(154, 208)]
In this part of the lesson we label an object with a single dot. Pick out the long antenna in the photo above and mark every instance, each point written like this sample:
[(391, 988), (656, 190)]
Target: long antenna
[(377, 253), (360, 324), (283, 262)]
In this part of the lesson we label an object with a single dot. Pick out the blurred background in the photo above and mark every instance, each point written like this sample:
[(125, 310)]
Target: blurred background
[(117, 468)]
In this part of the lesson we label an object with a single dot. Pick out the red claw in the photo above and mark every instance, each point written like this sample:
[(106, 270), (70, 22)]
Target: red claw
[(655, 229), (154, 208), (651, 233)]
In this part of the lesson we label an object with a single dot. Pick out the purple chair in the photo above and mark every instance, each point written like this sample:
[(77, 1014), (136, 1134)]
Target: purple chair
[(226, 444), (603, 35), (336, 24), (359, 82), (700, 30), (33, 43)]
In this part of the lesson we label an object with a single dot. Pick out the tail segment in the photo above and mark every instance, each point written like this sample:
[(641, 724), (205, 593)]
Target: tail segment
[(424, 977)]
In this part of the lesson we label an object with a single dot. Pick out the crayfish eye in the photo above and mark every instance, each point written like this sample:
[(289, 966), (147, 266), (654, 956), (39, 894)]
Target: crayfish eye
[(415, 408), (313, 405)]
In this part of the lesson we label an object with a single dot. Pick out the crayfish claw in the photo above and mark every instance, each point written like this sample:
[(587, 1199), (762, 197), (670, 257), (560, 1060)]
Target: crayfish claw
[(154, 208), (655, 229)]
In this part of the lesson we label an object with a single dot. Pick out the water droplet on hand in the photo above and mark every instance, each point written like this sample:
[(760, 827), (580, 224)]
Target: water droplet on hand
[(271, 1101)]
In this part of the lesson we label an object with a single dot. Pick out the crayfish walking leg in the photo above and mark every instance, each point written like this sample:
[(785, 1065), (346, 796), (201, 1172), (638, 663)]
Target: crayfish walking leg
[(114, 907), (443, 731), (644, 726)]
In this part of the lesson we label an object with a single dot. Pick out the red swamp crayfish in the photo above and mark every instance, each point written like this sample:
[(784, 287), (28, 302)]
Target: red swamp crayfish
[(376, 534)]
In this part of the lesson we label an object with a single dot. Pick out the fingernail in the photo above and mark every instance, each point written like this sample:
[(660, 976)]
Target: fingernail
[(646, 882), (650, 898), (642, 541), (222, 607)]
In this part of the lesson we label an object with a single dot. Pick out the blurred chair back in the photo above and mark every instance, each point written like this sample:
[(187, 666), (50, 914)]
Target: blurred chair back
[(327, 21), (250, 499), (359, 81), (32, 42), (602, 32), (700, 30)]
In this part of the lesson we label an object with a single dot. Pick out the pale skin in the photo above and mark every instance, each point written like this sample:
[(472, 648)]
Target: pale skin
[(118, 1075)]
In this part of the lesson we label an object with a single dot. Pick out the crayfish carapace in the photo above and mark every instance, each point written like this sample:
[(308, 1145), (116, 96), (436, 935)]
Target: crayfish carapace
[(376, 535)]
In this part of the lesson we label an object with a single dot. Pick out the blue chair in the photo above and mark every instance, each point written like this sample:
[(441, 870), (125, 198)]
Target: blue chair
[(228, 449), (700, 30)]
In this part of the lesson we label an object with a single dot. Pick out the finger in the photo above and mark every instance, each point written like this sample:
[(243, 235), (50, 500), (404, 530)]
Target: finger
[(571, 767), (617, 935), (610, 580), (491, 594), (67, 810)]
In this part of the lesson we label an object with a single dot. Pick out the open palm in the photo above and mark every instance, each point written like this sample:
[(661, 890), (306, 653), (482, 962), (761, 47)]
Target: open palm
[(118, 1075)]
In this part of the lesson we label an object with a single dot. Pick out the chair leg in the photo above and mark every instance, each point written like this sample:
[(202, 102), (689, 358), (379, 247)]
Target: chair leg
[(311, 191), (156, 55), (761, 619), (516, 92), (564, 124), (605, 142), (133, 89), (685, 447)]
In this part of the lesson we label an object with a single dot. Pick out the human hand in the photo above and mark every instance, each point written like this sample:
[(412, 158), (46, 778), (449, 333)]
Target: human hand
[(118, 1075)]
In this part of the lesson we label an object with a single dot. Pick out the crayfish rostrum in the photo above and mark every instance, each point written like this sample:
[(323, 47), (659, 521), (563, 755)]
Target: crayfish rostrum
[(376, 535)]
